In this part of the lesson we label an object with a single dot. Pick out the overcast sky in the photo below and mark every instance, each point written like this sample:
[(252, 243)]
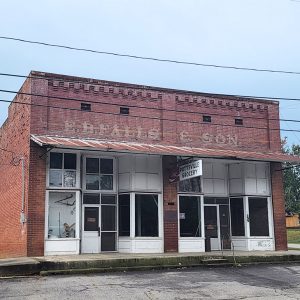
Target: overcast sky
[(250, 33)]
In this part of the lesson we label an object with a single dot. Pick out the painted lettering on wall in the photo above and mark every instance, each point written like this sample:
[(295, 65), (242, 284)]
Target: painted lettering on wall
[(208, 138), (114, 131)]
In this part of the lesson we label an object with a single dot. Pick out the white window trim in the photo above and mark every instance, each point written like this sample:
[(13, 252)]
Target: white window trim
[(114, 190), (77, 185)]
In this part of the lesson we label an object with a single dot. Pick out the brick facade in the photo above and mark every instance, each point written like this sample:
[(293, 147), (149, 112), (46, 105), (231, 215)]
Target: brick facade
[(156, 115), (278, 207)]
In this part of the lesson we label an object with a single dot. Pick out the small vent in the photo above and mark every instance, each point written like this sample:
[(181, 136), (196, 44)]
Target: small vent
[(238, 121), (124, 110), (207, 119), (86, 106)]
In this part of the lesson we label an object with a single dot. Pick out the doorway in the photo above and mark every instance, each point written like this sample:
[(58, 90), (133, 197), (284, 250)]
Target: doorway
[(99, 230), (217, 223)]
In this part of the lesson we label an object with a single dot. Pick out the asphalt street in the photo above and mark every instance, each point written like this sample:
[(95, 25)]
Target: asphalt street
[(252, 282)]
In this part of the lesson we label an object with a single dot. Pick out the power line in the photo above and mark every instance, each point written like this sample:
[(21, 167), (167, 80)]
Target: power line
[(148, 88), (144, 107), (151, 118), (149, 58)]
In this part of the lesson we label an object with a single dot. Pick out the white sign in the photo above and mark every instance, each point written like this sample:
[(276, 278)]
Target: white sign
[(190, 170)]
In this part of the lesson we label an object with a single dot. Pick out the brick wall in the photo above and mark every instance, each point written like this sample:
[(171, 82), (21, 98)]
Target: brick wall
[(14, 137), (278, 207), (170, 205), (160, 116)]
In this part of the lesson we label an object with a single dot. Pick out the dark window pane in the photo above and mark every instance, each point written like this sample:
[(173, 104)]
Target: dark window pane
[(91, 198), (237, 217), (238, 121), (108, 241), (108, 199), (106, 182), (146, 215), (208, 200), (190, 216), (190, 185), (206, 119), (92, 165), (211, 221), (70, 161), (258, 214), (92, 182), (91, 218), (106, 166), (55, 160), (85, 106), (225, 226), (124, 215), (108, 218)]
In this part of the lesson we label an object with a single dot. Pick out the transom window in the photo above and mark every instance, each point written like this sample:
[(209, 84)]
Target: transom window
[(62, 171), (99, 174)]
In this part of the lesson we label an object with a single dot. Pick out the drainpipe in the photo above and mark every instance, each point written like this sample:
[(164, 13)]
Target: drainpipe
[(22, 217)]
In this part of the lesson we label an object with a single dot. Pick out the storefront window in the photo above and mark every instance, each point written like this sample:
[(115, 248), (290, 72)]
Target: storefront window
[(237, 216), (99, 174), (61, 215), (258, 215), (62, 171), (190, 216), (146, 215), (124, 215), (192, 185)]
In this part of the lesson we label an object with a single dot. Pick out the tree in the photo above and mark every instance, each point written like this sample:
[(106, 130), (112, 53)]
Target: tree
[(291, 179)]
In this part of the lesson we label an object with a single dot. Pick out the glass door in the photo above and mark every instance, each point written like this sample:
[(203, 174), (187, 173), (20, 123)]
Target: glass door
[(99, 223), (211, 225)]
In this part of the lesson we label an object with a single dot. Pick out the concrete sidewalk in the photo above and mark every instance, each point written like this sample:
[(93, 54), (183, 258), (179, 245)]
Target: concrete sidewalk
[(113, 262), (294, 246)]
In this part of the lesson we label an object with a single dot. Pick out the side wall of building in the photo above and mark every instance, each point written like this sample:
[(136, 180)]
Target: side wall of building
[(14, 144)]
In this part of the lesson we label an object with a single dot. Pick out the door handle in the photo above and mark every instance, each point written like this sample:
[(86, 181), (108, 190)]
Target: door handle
[(98, 231)]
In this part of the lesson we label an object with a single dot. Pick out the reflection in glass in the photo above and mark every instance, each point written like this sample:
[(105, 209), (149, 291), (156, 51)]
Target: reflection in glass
[(92, 182), (55, 177), (106, 182), (62, 215), (69, 178)]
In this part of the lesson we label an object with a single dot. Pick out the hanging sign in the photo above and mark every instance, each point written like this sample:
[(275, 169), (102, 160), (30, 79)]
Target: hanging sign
[(190, 170)]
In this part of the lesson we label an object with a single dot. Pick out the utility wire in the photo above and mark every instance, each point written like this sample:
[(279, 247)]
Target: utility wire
[(144, 107), (151, 118), (148, 88), (149, 58)]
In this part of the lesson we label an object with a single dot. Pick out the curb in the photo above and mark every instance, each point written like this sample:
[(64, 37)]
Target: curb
[(46, 268)]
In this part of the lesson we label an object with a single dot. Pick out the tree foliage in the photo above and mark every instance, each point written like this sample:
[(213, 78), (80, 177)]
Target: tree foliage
[(291, 175)]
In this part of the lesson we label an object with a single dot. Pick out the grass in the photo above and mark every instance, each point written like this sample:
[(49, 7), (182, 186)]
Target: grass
[(293, 236)]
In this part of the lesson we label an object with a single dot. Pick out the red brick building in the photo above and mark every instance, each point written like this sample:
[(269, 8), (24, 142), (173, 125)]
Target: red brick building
[(100, 162)]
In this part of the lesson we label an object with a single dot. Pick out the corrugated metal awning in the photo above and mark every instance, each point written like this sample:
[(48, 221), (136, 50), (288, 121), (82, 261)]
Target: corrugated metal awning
[(130, 147)]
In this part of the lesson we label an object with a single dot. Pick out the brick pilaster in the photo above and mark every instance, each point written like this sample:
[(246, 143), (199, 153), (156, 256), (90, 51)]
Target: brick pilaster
[(170, 206), (278, 207)]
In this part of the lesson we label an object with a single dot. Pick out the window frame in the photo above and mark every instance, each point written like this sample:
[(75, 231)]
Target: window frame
[(201, 196), (78, 179), (270, 218), (77, 216), (115, 177), (132, 216)]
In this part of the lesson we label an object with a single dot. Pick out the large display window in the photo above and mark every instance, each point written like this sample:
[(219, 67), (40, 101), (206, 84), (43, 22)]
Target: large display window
[(62, 215)]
